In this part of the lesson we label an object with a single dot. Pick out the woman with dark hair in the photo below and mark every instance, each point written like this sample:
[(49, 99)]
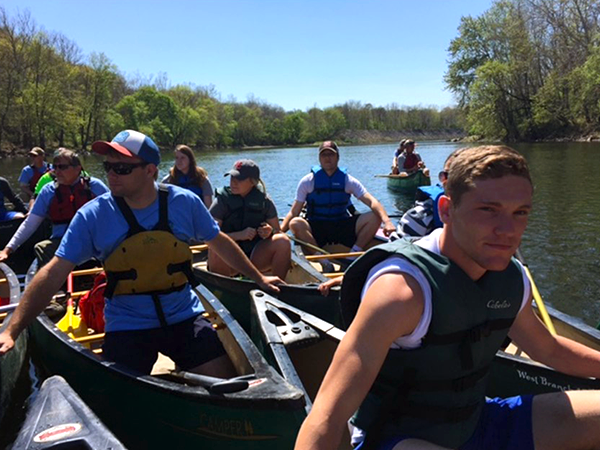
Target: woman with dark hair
[(186, 174)]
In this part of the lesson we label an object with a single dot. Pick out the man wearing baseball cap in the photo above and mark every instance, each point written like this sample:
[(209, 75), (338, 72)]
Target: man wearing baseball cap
[(140, 231), (326, 191), (32, 172)]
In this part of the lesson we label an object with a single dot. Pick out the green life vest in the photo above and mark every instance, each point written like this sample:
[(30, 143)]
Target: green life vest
[(243, 212), (436, 392)]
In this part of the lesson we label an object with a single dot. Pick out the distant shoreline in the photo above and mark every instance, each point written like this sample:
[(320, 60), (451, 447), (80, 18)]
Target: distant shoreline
[(366, 137)]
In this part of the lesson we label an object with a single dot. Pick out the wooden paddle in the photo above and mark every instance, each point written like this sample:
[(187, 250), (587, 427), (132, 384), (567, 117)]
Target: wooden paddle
[(71, 323), (536, 295)]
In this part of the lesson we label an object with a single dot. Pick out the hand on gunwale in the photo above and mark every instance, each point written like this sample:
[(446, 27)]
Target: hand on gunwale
[(269, 284)]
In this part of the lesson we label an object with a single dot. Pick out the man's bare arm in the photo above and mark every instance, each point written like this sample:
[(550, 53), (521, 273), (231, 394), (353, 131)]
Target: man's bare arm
[(564, 355), (391, 308), (35, 298), (294, 212), (379, 210), (233, 255)]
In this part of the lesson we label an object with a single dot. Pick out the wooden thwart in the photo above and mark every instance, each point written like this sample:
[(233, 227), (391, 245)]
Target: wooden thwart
[(333, 256)]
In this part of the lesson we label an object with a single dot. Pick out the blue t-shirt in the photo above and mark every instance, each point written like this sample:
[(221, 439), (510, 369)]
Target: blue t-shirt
[(28, 171), (99, 227), (41, 207)]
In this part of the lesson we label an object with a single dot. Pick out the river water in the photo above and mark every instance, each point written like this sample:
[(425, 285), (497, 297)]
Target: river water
[(561, 244)]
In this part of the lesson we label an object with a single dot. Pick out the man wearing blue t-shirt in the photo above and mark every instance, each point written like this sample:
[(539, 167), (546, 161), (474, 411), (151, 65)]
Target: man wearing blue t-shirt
[(58, 201), (32, 172), (142, 228)]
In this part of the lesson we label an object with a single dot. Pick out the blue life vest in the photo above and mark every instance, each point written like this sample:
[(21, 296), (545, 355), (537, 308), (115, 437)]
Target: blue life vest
[(186, 182), (434, 193), (329, 200)]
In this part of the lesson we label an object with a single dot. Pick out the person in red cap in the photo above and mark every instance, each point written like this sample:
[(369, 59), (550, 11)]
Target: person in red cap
[(140, 232), (326, 192), (248, 215)]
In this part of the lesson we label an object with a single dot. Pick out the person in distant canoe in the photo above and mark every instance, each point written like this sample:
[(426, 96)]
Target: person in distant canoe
[(6, 193), (426, 319), (186, 174), (140, 231), (326, 192), (406, 159), (32, 172), (247, 214), (58, 201), (423, 218)]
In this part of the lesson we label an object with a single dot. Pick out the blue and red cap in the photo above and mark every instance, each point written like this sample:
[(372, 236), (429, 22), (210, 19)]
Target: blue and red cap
[(130, 143)]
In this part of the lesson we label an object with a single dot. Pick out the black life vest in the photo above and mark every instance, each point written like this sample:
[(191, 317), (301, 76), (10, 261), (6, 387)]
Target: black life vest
[(249, 211)]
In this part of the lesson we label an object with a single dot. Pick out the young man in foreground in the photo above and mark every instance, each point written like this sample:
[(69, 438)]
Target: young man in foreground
[(140, 232), (413, 365)]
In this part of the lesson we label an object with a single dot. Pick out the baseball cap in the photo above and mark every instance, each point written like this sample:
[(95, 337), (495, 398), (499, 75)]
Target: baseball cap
[(244, 168), (37, 151), (130, 143), (329, 145)]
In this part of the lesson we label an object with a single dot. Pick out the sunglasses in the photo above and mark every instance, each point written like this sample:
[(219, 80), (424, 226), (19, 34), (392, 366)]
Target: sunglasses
[(443, 176), (122, 168), (62, 166)]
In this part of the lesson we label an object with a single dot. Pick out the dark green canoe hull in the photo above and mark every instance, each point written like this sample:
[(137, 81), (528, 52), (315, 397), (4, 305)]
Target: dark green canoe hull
[(409, 183), (235, 294), (510, 375), (513, 375), (147, 412), (11, 364)]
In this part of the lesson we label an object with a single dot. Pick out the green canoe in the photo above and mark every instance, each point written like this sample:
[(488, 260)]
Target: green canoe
[(301, 347), (300, 291), (11, 364), (257, 410), (408, 183)]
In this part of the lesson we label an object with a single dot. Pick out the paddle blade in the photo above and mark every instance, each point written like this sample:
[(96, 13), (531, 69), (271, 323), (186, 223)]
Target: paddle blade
[(71, 323)]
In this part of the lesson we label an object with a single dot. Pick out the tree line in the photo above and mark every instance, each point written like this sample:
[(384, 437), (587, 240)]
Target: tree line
[(51, 95), (529, 69)]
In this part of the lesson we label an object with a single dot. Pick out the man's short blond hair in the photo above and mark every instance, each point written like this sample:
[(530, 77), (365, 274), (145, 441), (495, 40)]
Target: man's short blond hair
[(482, 163)]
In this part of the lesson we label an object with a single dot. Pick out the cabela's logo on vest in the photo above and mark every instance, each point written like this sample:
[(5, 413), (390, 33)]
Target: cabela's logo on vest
[(149, 240), (498, 304)]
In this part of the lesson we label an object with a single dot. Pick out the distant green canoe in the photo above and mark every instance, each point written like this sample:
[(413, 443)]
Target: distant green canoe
[(406, 183)]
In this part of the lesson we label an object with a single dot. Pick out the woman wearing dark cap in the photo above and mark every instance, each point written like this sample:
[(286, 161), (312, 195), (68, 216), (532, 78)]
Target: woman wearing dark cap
[(248, 215), (186, 174)]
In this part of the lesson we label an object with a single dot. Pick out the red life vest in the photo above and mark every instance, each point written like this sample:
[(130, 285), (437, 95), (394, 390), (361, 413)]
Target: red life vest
[(36, 176), (91, 304), (68, 199), (410, 161)]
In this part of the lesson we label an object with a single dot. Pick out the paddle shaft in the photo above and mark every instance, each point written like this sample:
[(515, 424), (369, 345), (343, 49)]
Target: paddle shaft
[(308, 244), (536, 295)]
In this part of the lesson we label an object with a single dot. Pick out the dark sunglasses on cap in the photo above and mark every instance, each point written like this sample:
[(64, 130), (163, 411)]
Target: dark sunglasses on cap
[(122, 168)]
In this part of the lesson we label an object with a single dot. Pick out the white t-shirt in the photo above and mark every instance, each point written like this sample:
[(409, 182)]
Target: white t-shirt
[(307, 184)]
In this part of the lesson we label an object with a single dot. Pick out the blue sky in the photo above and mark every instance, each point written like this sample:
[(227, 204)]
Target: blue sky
[(295, 54)]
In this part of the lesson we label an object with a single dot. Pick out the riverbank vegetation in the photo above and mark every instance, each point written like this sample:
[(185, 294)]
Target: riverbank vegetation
[(529, 70), (51, 96)]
